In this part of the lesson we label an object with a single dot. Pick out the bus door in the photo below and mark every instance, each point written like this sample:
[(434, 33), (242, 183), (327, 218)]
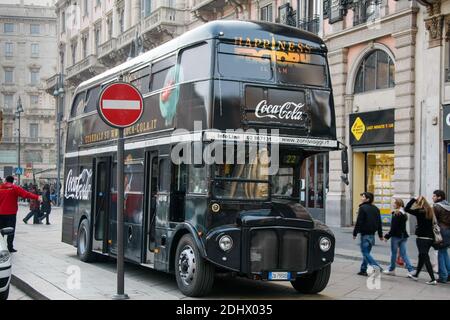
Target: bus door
[(152, 177), (133, 208), (101, 204)]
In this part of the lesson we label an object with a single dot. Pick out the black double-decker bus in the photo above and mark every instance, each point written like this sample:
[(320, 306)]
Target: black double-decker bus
[(219, 91)]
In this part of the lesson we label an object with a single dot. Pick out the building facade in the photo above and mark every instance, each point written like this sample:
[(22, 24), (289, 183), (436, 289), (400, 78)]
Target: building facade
[(433, 96), (94, 36), (27, 55), (389, 62)]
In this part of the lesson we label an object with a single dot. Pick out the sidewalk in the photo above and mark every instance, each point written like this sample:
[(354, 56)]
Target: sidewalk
[(348, 248), (46, 268)]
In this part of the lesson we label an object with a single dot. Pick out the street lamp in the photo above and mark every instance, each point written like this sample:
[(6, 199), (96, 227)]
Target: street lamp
[(19, 110), (59, 93)]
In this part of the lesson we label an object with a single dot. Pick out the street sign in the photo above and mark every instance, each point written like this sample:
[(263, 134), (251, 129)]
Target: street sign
[(120, 105), (18, 171)]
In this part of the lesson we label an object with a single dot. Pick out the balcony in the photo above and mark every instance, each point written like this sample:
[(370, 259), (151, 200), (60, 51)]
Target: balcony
[(9, 112), (107, 52), (24, 140), (40, 112), (51, 83), (208, 5), (83, 70), (164, 21), (312, 24)]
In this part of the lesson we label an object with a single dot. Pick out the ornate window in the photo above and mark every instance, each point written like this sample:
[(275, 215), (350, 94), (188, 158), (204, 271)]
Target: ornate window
[(365, 10), (375, 72)]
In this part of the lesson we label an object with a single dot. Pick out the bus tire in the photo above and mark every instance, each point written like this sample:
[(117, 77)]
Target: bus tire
[(195, 276), (4, 295), (84, 242), (314, 282)]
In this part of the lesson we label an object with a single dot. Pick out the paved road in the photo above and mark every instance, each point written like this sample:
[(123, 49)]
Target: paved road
[(17, 294), (53, 269)]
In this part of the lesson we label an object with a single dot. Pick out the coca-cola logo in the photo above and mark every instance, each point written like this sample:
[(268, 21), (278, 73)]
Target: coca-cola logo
[(78, 187), (286, 111)]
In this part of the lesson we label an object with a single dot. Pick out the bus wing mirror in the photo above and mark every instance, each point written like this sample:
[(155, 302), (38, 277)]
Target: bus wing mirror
[(344, 161)]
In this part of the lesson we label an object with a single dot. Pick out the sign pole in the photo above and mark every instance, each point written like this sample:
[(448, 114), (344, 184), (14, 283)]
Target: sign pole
[(120, 106), (121, 295)]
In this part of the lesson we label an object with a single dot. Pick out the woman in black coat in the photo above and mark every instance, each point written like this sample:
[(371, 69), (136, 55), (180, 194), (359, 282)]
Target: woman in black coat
[(422, 210), (46, 206)]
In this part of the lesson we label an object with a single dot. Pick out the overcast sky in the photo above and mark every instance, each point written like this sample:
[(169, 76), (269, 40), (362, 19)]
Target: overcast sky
[(35, 2)]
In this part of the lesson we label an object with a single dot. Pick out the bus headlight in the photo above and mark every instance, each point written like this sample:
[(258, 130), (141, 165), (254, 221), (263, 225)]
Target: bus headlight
[(4, 256), (324, 244), (225, 243)]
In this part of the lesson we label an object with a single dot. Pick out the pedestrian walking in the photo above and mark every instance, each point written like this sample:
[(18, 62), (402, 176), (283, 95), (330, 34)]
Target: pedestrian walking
[(442, 211), (34, 208), (421, 209), (367, 224), (46, 206), (399, 236), (9, 196)]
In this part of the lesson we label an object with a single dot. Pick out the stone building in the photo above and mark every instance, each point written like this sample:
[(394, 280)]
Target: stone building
[(27, 55)]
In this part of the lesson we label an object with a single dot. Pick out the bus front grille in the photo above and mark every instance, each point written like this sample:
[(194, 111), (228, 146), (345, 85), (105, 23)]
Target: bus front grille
[(278, 249)]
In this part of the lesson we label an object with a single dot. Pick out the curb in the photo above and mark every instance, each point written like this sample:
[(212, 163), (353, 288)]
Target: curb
[(27, 289)]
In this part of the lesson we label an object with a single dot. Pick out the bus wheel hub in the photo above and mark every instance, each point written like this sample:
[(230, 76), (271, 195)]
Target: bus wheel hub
[(186, 265)]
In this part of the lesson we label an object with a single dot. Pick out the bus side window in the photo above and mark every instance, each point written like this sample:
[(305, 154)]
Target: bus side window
[(78, 105), (92, 99), (192, 70), (141, 79), (160, 73), (164, 177), (179, 183)]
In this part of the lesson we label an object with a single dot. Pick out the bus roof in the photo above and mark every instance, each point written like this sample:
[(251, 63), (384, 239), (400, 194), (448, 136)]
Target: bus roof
[(225, 29)]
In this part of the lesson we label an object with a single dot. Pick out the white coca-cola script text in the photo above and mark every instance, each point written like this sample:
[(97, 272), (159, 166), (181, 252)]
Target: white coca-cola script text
[(78, 187), (287, 111)]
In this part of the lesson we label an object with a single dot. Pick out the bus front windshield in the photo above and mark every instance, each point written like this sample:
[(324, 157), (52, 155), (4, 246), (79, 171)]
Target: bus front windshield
[(272, 65), (252, 181)]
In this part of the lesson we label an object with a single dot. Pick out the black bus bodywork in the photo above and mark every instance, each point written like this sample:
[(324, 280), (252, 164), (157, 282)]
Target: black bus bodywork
[(195, 219)]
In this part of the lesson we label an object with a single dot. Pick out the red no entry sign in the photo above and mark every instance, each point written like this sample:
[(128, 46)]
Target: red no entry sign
[(120, 105)]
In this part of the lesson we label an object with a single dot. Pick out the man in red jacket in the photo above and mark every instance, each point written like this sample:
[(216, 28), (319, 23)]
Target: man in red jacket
[(9, 195)]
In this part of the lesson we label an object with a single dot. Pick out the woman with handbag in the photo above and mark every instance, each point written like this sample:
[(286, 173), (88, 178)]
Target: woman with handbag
[(399, 236), (421, 209)]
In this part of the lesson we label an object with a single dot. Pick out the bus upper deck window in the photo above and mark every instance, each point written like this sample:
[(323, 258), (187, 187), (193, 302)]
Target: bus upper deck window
[(192, 70), (78, 105), (236, 62), (92, 99), (163, 73), (302, 69)]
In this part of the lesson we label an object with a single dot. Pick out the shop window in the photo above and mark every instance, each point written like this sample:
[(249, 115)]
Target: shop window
[(375, 72), (374, 172), (380, 174)]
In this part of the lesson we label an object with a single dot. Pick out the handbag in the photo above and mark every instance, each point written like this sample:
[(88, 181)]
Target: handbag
[(436, 231)]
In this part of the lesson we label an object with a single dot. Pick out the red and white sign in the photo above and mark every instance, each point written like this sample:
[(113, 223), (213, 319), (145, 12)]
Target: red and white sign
[(120, 105)]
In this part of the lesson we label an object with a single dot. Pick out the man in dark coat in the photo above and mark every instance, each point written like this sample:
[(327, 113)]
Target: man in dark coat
[(367, 224)]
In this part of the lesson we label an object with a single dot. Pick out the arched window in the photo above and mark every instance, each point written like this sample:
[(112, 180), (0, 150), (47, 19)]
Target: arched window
[(375, 72)]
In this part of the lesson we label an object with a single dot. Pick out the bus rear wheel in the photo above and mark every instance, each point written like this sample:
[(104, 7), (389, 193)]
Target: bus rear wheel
[(84, 242), (313, 283), (195, 276)]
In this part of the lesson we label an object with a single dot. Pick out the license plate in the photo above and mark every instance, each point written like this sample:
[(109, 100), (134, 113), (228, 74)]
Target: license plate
[(279, 275)]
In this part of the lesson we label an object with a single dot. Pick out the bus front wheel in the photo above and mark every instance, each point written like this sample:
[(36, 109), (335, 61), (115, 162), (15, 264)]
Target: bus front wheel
[(84, 242), (314, 282), (195, 276)]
